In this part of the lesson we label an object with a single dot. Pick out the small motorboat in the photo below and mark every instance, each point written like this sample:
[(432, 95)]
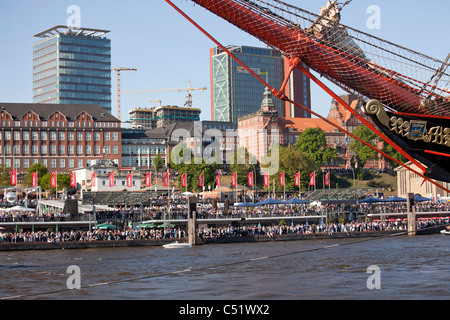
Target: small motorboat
[(446, 232), (176, 245)]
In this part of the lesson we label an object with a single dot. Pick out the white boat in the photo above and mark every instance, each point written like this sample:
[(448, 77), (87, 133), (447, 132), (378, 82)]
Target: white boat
[(176, 245), (446, 232)]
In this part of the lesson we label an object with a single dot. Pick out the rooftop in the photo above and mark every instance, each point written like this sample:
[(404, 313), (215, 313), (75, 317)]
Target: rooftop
[(60, 29), (45, 111)]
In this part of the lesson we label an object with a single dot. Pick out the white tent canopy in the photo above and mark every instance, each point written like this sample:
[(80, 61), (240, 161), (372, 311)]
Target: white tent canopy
[(18, 209), (58, 204)]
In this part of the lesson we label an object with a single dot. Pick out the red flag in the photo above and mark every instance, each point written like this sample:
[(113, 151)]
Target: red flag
[(312, 179), (297, 179), (250, 179), (234, 179), (93, 179), (130, 180), (34, 179), (111, 179), (13, 179), (54, 180), (218, 182), (166, 179), (200, 180), (148, 179), (327, 179), (281, 178), (184, 180), (266, 179), (73, 180)]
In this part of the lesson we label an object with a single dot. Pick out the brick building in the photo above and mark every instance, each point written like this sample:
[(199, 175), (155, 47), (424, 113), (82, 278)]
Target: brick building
[(62, 137), (258, 131)]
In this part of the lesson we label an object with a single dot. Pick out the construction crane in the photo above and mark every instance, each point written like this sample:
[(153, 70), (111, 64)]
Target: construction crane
[(188, 98), (118, 70)]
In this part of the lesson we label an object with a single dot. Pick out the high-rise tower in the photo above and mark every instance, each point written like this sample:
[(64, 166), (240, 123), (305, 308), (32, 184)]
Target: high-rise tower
[(72, 66)]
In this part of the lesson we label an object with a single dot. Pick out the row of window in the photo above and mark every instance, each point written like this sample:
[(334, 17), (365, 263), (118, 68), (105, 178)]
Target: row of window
[(81, 136), (49, 163), (57, 124), (87, 150)]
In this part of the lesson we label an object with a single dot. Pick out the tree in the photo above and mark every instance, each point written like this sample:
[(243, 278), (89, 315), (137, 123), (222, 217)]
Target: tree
[(193, 166), (313, 142), (292, 161), (362, 152), (158, 162), (5, 179), (388, 149), (243, 163), (40, 169), (62, 179)]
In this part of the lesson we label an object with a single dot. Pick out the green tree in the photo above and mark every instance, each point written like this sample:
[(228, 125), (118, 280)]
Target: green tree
[(388, 149), (5, 179), (181, 161), (292, 161), (313, 142), (243, 163), (362, 152), (63, 181), (40, 169), (158, 162)]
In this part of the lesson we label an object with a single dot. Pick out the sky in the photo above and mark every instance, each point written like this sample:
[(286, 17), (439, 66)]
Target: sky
[(168, 51)]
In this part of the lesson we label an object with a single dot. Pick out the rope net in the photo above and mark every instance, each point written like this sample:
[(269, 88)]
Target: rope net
[(402, 79)]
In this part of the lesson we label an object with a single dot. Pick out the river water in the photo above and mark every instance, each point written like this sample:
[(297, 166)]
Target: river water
[(409, 268)]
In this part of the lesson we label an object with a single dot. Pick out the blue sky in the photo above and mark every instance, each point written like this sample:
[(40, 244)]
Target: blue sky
[(168, 51)]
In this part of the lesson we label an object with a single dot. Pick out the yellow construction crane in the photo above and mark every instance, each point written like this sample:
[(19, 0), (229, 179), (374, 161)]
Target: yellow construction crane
[(118, 70), (188, 98)]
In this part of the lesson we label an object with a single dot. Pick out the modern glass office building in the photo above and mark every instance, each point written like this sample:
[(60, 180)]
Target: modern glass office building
[(72, 66), (235, 92)]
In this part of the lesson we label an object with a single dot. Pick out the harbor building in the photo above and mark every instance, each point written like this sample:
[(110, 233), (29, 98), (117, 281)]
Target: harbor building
[(61, 137)]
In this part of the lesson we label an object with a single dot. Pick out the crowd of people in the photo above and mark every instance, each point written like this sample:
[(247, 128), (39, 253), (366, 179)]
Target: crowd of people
[(209, 233)]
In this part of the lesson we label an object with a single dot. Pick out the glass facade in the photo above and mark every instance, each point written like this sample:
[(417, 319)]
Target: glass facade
[(235, 91), (72, 69)]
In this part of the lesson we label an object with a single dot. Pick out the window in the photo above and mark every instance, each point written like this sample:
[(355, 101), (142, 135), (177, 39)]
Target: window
[(35, 136), (70, 136), (88, 149), (97, 136), (115, 149), (25, 149), (107, 150), (17, 136), (43, 149), (26, 136), (52, 163), (79, 149), (88, 136), (79, 136), (52, 136), (107, 136), (115, 136), (62, 150), (62, 136), (43, 136), (80, 163), (71, 163), (70, 149), (62, 163), (52, 150)]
